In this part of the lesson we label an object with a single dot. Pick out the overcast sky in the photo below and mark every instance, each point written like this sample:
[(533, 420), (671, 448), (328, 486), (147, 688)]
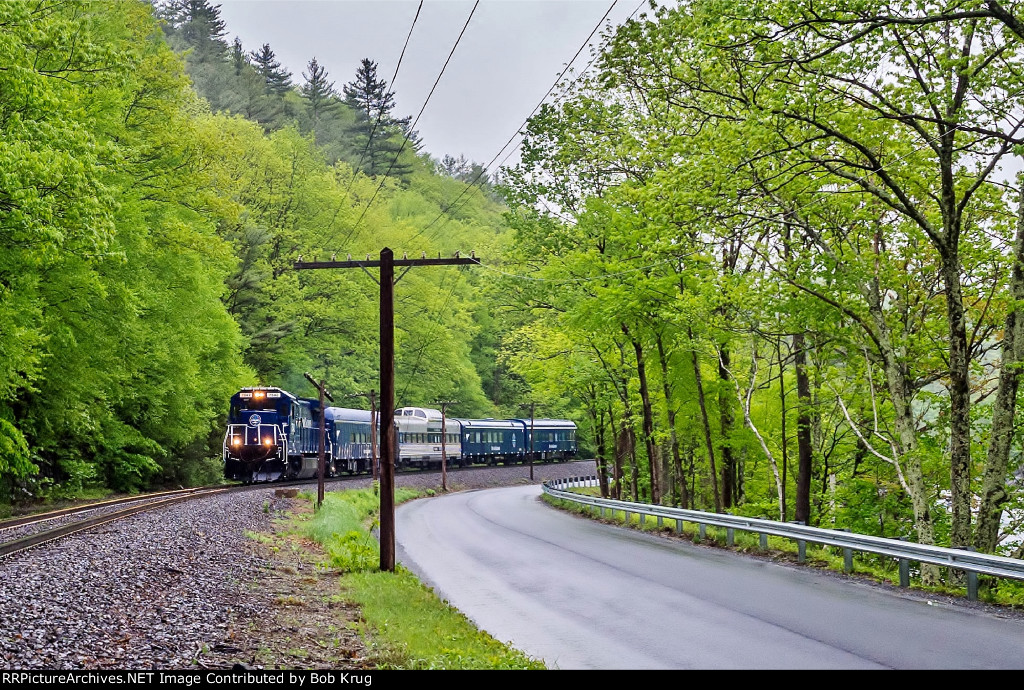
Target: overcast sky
[(508, 58)]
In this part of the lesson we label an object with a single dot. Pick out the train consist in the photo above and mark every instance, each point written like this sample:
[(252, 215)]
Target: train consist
[(272, 435)]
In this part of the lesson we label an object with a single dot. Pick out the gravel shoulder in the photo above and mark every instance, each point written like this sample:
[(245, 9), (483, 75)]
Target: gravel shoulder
[(210, 583)]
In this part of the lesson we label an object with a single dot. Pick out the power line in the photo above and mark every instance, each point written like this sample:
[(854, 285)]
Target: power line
[(412, 127), (479, 176), (380, 114)]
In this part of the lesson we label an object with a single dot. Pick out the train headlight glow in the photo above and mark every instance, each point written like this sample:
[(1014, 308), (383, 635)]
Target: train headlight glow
[(237, 442), (266, 441)]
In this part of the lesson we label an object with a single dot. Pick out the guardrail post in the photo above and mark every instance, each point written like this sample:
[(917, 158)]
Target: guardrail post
[(847, 557), (660, 523), (904, 570), (643, 520), (972, 581), (763, 541), (801, 546), (625, 517), (679, 526), (601, 510), (701, 532), (729, 536)]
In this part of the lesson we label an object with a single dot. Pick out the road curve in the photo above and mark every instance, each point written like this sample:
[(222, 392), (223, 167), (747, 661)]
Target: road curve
[(580, 594)]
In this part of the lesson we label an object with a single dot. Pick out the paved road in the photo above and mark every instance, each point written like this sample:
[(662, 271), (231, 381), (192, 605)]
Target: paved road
[(584, 595)]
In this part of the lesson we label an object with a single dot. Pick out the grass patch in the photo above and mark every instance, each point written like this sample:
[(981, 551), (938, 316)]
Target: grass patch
[(405, 625), (410, 628)]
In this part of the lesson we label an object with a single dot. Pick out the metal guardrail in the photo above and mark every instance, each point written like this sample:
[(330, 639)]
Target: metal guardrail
[(967, 560)]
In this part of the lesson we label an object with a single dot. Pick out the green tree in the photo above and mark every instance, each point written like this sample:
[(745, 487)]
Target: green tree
[(382, 136), (279, 79)]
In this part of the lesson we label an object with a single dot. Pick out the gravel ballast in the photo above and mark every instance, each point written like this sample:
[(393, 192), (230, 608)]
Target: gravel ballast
[(171, 589)]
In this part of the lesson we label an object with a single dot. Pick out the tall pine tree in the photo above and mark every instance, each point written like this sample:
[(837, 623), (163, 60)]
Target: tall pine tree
[(278, 79), (381, 136), (318, 91)]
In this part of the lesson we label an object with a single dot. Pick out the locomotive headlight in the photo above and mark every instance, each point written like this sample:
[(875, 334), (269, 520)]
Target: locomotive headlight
[(266, 441), (237, 442)]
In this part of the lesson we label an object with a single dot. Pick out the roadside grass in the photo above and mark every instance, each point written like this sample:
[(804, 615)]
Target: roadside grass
[(405, 625), (869, 566)]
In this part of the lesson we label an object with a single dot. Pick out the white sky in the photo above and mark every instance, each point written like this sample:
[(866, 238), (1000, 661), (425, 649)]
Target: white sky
[(508, 58)]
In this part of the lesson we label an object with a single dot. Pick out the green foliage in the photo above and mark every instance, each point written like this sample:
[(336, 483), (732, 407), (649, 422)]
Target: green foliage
[(343, 525), (121, 351), (150, 213), (353, 552), (777, 179)]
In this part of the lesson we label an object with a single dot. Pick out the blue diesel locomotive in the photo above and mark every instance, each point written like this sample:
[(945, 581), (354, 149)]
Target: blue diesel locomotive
[(272, 434)]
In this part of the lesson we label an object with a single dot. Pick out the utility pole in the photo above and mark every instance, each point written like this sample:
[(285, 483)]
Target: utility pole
[(532, 405), (323, 429), (374, 465), (387, 282), (444, 452)]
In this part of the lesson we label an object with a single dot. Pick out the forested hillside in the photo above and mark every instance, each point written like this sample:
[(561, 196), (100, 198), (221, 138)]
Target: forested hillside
[(156, 185), (768, 258)]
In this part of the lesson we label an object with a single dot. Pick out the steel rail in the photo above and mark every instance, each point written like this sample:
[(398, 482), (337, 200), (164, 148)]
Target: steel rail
[(43, 537), (33, 518), (967, 560), (145, 503)]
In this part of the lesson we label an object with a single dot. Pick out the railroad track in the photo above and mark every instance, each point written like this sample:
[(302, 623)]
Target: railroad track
[(13, 539)]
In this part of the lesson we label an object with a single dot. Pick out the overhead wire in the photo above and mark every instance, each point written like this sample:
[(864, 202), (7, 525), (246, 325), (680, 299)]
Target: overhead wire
[(373, 130), (474, 182), (380, 112), (412, 127)]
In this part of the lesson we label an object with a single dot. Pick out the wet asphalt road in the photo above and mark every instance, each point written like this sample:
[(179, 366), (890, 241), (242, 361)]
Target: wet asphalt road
[(584, 595)]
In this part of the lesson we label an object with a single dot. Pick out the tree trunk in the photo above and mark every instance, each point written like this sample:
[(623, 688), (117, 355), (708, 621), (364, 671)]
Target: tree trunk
[(803, 432), (905, 441), (627, 444), (785, 440), (993, 487), (597, 422), (647, 419), (707, 429), (684, 498), (616, 488), (959, 406), (730, 477)]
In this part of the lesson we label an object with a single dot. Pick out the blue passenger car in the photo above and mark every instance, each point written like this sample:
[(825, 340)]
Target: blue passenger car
[(350, 448), (491, 441), (552, 439), (271, 434)]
